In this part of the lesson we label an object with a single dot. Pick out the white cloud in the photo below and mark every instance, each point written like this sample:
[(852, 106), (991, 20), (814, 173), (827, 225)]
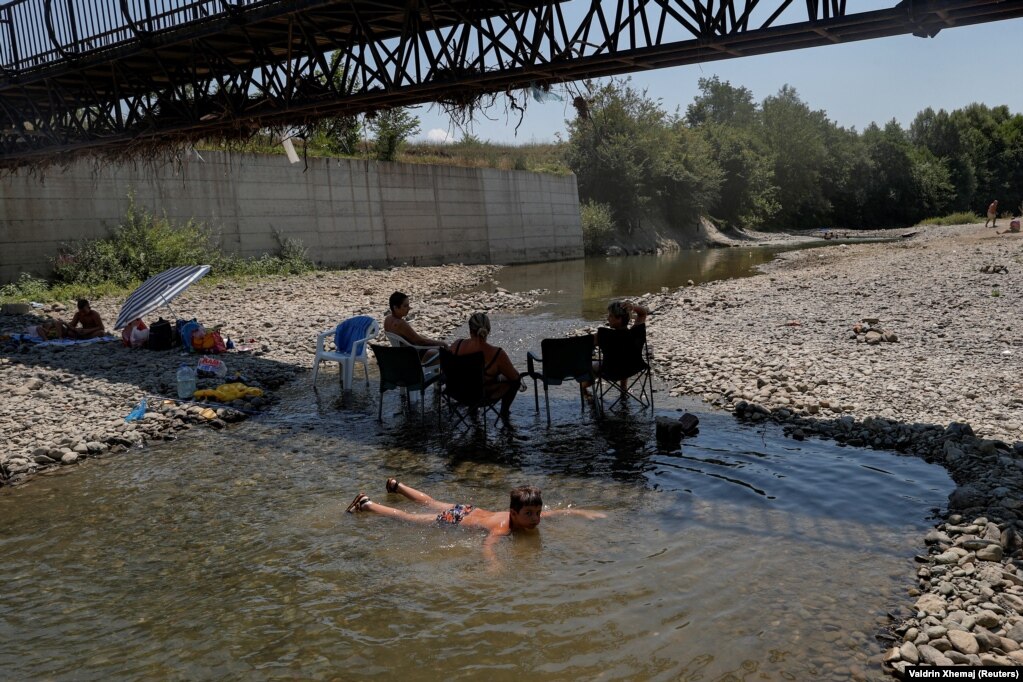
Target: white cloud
[(441, 136)]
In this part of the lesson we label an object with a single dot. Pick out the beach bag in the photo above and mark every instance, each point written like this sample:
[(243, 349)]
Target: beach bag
[(127, 333), (218, 343), (208, 342), (139, 337), (160, 335), (188, 330)]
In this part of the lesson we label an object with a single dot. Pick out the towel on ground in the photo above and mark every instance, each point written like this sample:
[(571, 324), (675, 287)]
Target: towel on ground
[(351, 330), (39, 341)]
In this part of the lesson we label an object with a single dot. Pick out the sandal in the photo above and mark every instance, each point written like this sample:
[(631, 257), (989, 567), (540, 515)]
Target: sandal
[(391, 485), (357, 504)]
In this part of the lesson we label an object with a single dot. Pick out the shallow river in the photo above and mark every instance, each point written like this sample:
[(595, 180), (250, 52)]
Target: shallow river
[(228, 555)]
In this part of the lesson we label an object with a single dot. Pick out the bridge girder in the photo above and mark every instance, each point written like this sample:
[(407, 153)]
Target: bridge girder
[(159, 70)]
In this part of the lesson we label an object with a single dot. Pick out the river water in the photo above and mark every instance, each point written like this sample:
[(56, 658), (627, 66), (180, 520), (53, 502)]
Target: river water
[(228, 555)]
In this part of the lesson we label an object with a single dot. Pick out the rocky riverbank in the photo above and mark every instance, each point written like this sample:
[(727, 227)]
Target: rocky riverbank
[(63, 404), (912, 346)]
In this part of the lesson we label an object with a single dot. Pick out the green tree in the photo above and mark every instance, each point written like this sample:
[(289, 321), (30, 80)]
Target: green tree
[(727, 117), (392, 128), (722, 103), (748, 195), (615, 151), (687, 176)]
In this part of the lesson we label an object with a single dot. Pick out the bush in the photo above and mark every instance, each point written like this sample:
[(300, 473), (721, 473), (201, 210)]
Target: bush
[(961, 218), (27, 288), (141, 246), (598, 226), (144, 245)]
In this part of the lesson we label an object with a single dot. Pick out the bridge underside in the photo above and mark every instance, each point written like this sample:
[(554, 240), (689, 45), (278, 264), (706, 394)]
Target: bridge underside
[(169, 71)]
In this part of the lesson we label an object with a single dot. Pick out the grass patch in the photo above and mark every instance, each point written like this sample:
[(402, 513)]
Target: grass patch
[(144, 245), (961, 218), (470, 152)]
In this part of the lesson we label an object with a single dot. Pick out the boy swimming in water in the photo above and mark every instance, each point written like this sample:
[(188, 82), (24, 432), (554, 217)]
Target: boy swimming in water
[(524, 512)]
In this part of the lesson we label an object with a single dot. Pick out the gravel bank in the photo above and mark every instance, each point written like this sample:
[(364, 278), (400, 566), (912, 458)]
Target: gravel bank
[(914, 346), (65, 404)]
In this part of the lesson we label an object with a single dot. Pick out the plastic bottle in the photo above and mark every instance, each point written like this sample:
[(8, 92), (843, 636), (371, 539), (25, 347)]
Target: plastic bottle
[(186, 382)]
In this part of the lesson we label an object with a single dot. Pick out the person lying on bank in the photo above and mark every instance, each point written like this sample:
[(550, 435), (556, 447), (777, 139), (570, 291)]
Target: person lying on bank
[(525, 510)]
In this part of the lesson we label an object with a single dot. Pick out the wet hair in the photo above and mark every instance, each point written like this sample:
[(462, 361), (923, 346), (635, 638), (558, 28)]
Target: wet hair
[(479, 325), (82, 304), (525, 496), (396, 299), (618, 310)]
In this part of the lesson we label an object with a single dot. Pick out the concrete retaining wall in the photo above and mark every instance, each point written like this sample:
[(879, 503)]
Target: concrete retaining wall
[(345, 212)]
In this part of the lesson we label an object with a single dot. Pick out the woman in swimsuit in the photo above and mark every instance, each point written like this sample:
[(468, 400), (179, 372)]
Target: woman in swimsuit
[(501, 380)]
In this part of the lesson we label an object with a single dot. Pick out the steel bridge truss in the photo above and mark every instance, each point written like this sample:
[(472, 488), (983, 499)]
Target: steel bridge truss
[(75, 77)]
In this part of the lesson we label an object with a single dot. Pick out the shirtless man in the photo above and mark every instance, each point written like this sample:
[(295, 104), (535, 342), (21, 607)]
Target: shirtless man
[(523, 516), (395, 323), (89, 319)]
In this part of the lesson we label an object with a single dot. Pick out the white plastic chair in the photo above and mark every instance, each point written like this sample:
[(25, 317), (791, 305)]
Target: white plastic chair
[(429, 368), (346, 360)]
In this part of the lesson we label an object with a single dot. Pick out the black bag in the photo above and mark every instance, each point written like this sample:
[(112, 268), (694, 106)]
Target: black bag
[(160, 335)]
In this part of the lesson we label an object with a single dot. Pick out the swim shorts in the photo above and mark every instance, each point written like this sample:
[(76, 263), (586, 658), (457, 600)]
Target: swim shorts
[(454, 515)]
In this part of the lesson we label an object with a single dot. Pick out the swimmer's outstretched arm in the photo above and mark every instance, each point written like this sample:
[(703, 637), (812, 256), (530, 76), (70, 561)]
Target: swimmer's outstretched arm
[(584, 513)]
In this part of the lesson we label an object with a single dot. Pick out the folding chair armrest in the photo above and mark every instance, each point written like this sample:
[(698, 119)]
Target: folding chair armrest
[(532, 357)]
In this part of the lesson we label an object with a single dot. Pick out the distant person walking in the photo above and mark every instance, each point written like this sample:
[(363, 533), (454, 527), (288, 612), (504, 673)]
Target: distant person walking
[(992, 214)]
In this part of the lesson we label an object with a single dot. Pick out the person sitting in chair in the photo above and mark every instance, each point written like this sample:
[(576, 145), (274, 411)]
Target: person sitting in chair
[(395, 323), (501, 380), (619, 314)]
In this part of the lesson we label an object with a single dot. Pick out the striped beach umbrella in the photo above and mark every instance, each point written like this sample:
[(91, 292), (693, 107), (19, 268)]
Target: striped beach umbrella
[(159, 290)]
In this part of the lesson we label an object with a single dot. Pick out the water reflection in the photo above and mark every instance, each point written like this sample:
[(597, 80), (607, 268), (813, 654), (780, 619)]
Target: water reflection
[(581, 288)]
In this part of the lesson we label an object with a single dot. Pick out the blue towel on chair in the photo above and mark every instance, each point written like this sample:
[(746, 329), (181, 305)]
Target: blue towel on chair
[(350, 331)]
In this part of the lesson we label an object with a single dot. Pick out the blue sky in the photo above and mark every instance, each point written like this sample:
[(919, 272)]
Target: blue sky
[(857, 83)]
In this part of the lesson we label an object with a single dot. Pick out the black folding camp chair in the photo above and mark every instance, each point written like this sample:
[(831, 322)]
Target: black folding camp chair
[(463, 393), (624, 360), (560, 359), (400, 368)]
